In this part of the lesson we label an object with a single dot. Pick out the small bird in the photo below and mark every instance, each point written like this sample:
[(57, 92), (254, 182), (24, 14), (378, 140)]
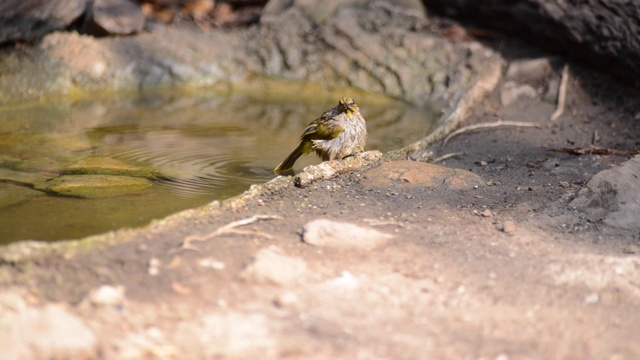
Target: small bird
[(338, 133)]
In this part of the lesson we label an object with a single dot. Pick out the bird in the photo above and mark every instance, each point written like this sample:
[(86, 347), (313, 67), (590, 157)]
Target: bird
[(338, 133)]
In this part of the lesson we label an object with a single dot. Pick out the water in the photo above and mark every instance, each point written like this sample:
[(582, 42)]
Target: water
[(207, 146)]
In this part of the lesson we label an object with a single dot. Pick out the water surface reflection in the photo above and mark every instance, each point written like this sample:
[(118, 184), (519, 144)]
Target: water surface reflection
[(202, 147)]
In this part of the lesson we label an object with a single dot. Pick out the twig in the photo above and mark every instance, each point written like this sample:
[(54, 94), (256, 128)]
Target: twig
[(562, 94), (593, 150), (595, 138), (230, 228), (489, 125), (446, 156)]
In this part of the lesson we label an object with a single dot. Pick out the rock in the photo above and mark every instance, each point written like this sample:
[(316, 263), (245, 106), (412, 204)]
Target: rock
[(211, 263), (153, 267), (486, 213), (553, 88), (603, 33), (107, 295), (271, 266), (412, 174), (114, 17), (531, 70), (613, 196), (329, 233), (508, 227), (95, 186), (25, 178), (48, 333), (31, 19), (511, 92), (15, 195), (319, 12), (329, 169), (110, 166)]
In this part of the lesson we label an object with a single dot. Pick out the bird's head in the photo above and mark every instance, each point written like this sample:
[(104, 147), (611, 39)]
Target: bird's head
[(348, 106)]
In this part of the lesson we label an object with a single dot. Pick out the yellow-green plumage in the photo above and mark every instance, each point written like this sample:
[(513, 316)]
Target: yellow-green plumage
[(338, 133)]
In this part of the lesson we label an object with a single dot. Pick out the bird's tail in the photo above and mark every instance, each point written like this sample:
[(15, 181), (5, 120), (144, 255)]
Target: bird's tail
[(287, 164)]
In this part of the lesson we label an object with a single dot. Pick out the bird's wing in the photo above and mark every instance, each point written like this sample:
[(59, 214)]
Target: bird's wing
[(322, 129)]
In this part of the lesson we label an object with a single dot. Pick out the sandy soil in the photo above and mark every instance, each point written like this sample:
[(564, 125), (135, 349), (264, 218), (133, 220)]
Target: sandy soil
[(451, 283)]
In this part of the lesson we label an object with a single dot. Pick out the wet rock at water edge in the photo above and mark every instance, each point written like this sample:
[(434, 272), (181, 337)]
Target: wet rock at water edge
[(329, 233), (14, 195), (110, 166), (24, 177), (95, 186)]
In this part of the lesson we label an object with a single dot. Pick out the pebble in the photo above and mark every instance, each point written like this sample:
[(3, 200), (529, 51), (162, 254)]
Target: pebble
[(154, 267), (531, 69), (107, 295), (486, 213), (631, 249), (592, 299), (512, 91), (212, 263), (508, 227), (272, 266), (329, 233)]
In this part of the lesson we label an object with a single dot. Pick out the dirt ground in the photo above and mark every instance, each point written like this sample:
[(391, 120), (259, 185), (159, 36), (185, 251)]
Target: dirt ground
[(450, 284)]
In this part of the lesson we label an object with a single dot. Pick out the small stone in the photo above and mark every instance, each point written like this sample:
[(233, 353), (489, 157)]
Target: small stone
[(631, 249), (154, 267), (508, 227), (115, 17), (323, 232), (483, 163), (531, 70), (211, 263), (107, 295), (592, 299), (486, 213), (564, 184), (271, 266), (287, 299), (511, 92)]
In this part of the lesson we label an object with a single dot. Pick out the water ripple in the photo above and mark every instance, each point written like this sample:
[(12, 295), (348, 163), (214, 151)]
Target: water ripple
[(190, 172)]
